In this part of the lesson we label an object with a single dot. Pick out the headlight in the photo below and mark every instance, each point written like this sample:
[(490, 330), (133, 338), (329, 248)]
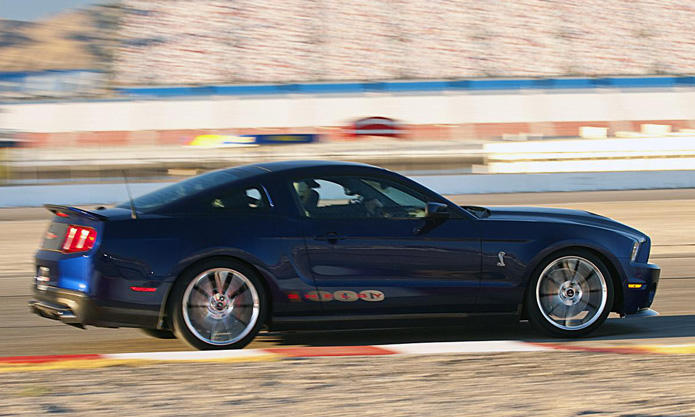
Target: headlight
[(635, 251)]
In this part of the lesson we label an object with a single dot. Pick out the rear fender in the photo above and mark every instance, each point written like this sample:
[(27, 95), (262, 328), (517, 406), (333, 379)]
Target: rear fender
[(267, 278)]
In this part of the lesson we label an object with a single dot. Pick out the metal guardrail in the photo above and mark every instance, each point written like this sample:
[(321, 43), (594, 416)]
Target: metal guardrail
[(109, 193), (15, 82), (410, 86), (34, 166)]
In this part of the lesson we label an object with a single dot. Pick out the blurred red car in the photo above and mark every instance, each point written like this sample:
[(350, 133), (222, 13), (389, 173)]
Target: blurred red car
[(377, 126)]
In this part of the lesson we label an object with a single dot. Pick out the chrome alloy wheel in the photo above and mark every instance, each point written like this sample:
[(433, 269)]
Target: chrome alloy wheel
[(571, 293), (220, 306)]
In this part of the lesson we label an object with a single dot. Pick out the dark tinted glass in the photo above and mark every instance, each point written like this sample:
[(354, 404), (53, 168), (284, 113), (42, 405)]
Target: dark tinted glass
[(250, 200), (348, 197), (186, 188)]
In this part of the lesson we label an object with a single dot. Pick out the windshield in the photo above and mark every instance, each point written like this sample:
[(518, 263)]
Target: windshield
[(171, 193)]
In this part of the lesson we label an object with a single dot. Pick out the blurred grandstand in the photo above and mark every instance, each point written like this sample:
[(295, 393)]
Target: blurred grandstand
[(461, 71), (214, 41), (193, 42)]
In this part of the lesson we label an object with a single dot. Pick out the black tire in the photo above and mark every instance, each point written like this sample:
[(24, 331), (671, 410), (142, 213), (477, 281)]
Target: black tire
[(189, 321), (159, 333), (563, 283)]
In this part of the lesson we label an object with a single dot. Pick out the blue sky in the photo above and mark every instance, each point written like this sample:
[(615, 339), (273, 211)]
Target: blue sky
[(36, 9)]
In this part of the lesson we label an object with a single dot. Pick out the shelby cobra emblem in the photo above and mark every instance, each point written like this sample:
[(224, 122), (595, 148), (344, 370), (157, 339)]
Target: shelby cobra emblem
[(501, 256)]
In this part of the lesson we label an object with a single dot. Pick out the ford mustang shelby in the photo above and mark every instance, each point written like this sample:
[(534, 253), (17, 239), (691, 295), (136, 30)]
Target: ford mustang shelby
[(295, 245)]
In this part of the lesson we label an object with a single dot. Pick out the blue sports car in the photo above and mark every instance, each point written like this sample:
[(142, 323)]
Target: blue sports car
[(296, 245)]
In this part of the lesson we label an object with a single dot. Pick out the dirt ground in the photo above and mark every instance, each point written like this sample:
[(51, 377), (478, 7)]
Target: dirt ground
[(513, 384)]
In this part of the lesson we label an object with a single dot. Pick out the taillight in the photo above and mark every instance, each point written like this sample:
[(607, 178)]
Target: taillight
[(79, 239)]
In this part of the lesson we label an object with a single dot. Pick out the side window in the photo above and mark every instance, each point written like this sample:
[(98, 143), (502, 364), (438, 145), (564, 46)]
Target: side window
[(348, 197), (401, 196), (249, 200)]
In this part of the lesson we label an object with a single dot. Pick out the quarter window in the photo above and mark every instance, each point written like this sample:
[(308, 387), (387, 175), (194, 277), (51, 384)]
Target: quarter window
[(249, 200)]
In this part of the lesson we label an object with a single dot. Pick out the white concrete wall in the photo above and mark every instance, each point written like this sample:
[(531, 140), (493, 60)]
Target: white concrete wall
[(676, 152), (302, 111)]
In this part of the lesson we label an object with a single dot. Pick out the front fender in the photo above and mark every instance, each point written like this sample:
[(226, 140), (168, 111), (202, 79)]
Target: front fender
[(612, 262), (600, 250), (523, 247)]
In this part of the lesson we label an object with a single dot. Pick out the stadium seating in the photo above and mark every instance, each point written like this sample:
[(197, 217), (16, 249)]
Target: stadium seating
[(217, 41)]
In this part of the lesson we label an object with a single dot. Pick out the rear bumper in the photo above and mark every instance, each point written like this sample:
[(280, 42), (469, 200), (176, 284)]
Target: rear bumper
[(68, 306), (78, 309), (54, 312)]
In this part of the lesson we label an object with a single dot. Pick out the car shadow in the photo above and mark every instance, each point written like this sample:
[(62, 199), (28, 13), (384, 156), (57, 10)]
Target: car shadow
[(630, 330)]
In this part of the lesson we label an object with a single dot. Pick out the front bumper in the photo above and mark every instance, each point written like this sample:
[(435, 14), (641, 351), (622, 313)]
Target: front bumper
[(645, 275), (645, 312)]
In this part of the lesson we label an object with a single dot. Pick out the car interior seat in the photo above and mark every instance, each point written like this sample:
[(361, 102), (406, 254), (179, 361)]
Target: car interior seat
[(310, 200)]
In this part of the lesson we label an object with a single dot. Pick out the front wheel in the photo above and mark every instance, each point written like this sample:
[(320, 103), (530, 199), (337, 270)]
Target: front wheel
[(570, 295), (159, 333), (221, 304)]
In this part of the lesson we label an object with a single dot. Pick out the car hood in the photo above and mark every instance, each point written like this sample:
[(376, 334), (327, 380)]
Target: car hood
[(556, 215)]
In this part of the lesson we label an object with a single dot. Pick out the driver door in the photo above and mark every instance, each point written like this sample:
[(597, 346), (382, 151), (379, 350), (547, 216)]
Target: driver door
[(369, 252)]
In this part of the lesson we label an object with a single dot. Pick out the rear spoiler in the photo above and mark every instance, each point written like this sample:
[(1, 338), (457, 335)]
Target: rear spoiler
[(67, 211)]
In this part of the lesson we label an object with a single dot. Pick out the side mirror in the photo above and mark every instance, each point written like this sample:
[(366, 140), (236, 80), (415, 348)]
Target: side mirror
[(436, 211)]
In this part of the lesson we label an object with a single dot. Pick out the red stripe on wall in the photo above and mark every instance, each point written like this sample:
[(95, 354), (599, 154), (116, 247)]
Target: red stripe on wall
[(411, 132)]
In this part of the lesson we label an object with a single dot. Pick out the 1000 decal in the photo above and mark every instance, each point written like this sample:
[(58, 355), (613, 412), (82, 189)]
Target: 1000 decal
[(345, 296)]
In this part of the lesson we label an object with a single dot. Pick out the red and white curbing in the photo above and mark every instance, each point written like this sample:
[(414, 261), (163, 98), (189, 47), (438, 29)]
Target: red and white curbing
[(17, 363), (435, 348), (324, 351)]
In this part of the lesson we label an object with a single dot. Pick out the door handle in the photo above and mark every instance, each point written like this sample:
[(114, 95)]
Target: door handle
[(331, 237)]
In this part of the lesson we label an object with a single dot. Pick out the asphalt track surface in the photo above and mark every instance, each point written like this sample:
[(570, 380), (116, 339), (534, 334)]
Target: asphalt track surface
[(668, 216)]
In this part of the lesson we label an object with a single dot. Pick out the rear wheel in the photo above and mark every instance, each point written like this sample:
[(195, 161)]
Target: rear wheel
[(571, 294), (220, 304)]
